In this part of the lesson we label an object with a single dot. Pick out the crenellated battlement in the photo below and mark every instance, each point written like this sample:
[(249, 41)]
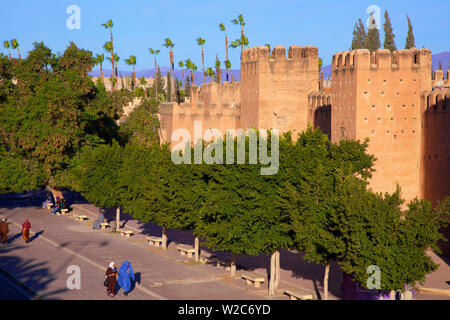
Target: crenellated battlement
[(381, 59), (295, 53), (437, 100)]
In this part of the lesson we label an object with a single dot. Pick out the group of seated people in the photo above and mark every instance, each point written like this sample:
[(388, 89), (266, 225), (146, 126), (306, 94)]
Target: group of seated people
[(60, 204)]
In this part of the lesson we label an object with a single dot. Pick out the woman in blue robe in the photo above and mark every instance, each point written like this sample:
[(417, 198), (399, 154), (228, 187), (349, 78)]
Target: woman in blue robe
[(126, 277)]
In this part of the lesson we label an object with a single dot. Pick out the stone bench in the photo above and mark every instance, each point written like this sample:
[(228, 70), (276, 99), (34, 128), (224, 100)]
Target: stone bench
[(49, 205), (155, 241), (64, 211), (126, 233), (104, 225), (186, 250), (81, 218), (249, 280), (297, 296)]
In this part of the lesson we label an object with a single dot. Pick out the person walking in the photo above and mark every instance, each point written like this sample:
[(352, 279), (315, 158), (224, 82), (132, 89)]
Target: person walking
[(111, 275), (126, 277), (26, 226), (4, 230)]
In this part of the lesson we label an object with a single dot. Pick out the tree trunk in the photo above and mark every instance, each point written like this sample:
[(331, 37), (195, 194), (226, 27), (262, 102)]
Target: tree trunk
[(197, 249), (9, 53), (233, 265), (231, 73), (18, 51), (134, 80), (118, 217), (56, 193), (101, 75), (172, 77), (226, 48), (242, 38), (277, 269), (112, 61), (203, 64), (156, 82), (272, 275), (164, 238), (182, 74), (392, 294), (325, 281)]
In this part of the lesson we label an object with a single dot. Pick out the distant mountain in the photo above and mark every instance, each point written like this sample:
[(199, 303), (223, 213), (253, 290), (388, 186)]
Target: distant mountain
[(443, 57), (150, 73)]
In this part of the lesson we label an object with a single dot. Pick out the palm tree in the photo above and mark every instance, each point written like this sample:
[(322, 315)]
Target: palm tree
[(188, 64), (228, 66), (143, 83), (155, 53), (243, 42), (268, 47), (109, 25), (108, 48), (240, 21), (115, 62), (132, 62), (7, 46), (169, 45), (201, 42), (15, 46), (181, 65), (99, 58), (222, 28), (209, 72)]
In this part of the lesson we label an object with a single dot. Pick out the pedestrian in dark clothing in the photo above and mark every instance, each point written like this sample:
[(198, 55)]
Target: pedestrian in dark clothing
[(4, 230), (111, 274)]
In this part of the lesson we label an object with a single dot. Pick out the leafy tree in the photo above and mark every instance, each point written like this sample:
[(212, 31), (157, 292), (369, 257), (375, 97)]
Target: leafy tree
[(142, 125), (311, 169), (376, 231), (320, 64), (194, 70), (373, 36), (201, 43), (389, 36), (240, 214), (51, 114), (410, 43), (440, 65)]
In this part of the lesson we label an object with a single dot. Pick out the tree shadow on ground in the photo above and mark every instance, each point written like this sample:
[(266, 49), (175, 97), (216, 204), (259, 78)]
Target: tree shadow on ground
[(30, 273)]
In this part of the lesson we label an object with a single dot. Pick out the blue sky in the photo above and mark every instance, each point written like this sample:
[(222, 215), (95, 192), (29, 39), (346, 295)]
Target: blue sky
[(139, 25)]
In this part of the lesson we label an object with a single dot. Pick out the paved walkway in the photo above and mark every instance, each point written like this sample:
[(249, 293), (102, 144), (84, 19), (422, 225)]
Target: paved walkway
[(60, 241)]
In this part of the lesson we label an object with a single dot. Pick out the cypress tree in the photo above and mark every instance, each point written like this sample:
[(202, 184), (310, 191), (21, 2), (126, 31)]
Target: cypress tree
[(187, 89), (218, 73), (440, 65), (362, 36), (389, 36), (169, 86), (410, 38), (373, 36), (357, 42)]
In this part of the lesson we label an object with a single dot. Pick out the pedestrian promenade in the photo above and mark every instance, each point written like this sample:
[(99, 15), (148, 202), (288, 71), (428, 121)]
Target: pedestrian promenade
[(59, 242)]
